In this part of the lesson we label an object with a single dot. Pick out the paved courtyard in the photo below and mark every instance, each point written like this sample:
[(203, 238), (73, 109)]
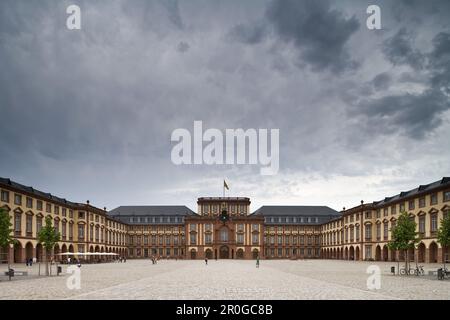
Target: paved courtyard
[(226, 279)]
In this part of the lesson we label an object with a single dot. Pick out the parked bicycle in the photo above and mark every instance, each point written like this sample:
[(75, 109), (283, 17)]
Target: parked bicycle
[(418, 271)]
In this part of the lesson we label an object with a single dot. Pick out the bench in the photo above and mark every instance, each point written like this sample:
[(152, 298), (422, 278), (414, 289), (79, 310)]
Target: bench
[(17, 273)]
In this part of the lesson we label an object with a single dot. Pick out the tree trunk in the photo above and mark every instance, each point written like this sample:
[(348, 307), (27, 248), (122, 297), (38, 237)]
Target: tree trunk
[(406, 255), (9, 262), (46, 261)]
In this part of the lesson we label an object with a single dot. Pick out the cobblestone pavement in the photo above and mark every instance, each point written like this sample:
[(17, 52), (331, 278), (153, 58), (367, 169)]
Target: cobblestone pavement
[(226, 279)]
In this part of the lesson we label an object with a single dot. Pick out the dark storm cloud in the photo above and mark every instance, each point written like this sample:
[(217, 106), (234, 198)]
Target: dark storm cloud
[(413, 114), (183, 47), (382, 81), (94, 109), (319, 32), (399, 50), (440, 62)]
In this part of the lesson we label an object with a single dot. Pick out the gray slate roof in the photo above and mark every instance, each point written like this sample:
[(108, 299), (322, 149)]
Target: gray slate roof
[(415, 192), (296, 211), (31, 190), (151, 211)]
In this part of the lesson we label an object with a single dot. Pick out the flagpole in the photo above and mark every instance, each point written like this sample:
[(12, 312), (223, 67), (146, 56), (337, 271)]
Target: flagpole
[(224, 188)]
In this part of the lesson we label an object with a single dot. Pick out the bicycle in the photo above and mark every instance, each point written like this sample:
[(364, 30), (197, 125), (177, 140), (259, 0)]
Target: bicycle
[(418, 271), (404, 271)]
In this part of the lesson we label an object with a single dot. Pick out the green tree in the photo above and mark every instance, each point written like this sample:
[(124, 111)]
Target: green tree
[(404, 236), (48, 237), (6, 234), (443, 236)]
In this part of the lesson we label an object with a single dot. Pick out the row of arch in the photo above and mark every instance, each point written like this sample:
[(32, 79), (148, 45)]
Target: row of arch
[(224, 252), (21, 253), (383, 253)]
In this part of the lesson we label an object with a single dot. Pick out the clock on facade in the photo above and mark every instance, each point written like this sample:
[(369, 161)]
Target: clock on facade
[(224, 217)]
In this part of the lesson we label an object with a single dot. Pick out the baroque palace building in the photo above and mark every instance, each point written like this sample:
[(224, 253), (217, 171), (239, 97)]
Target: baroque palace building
[(225, 228)]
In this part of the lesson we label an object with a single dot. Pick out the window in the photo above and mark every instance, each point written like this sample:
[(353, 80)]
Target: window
[(192, 227), (368, 215), (39, 205), (56, 210), (421, 202), (280, 240), (168, 241), (446, 195), (402, 207), (81, 231), (255, 239), (286, 240), (393, 209), (411, 205), (378, 213), (280, 252), (378, 231), (205, 209), (422, 224), (18, 199), (29, 203), (385, 230), (64, 212), (224, 235), (255, 227), (242, 209), (208, 238), (29, 225), (433, 222), (17, 224), (38, 224), (385, 212), (193, 239), (368, 252), (368, 232), (5, 196), (433, 199), (48, 208), (240, 238), (70, 231), (63, 230)]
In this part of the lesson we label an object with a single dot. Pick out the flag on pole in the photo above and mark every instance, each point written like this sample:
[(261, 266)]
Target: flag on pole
[(225, 185)]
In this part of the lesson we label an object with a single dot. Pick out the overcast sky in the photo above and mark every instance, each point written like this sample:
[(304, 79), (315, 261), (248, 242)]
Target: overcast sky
[(88, 114)]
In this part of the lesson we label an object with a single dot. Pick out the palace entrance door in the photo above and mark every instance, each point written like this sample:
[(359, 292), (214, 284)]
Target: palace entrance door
[(224, 252)]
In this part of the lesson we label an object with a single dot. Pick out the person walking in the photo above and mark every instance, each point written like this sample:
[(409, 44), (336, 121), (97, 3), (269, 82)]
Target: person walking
[(257, 261), (206, 260)]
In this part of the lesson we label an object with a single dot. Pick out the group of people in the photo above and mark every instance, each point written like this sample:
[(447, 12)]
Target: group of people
[(154, 260), (30, 261), (122, 260)]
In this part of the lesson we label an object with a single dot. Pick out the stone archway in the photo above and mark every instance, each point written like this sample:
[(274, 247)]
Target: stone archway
[(208, 254), (224, 252), (18, 253), (357, 253), (421, 252), (39, 252), (56, 252), (193, 254), (255, 254), (29, 251), (346, 253), (433, 252), (352, 253), (385, 253), (240, 254), (378, 253)]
